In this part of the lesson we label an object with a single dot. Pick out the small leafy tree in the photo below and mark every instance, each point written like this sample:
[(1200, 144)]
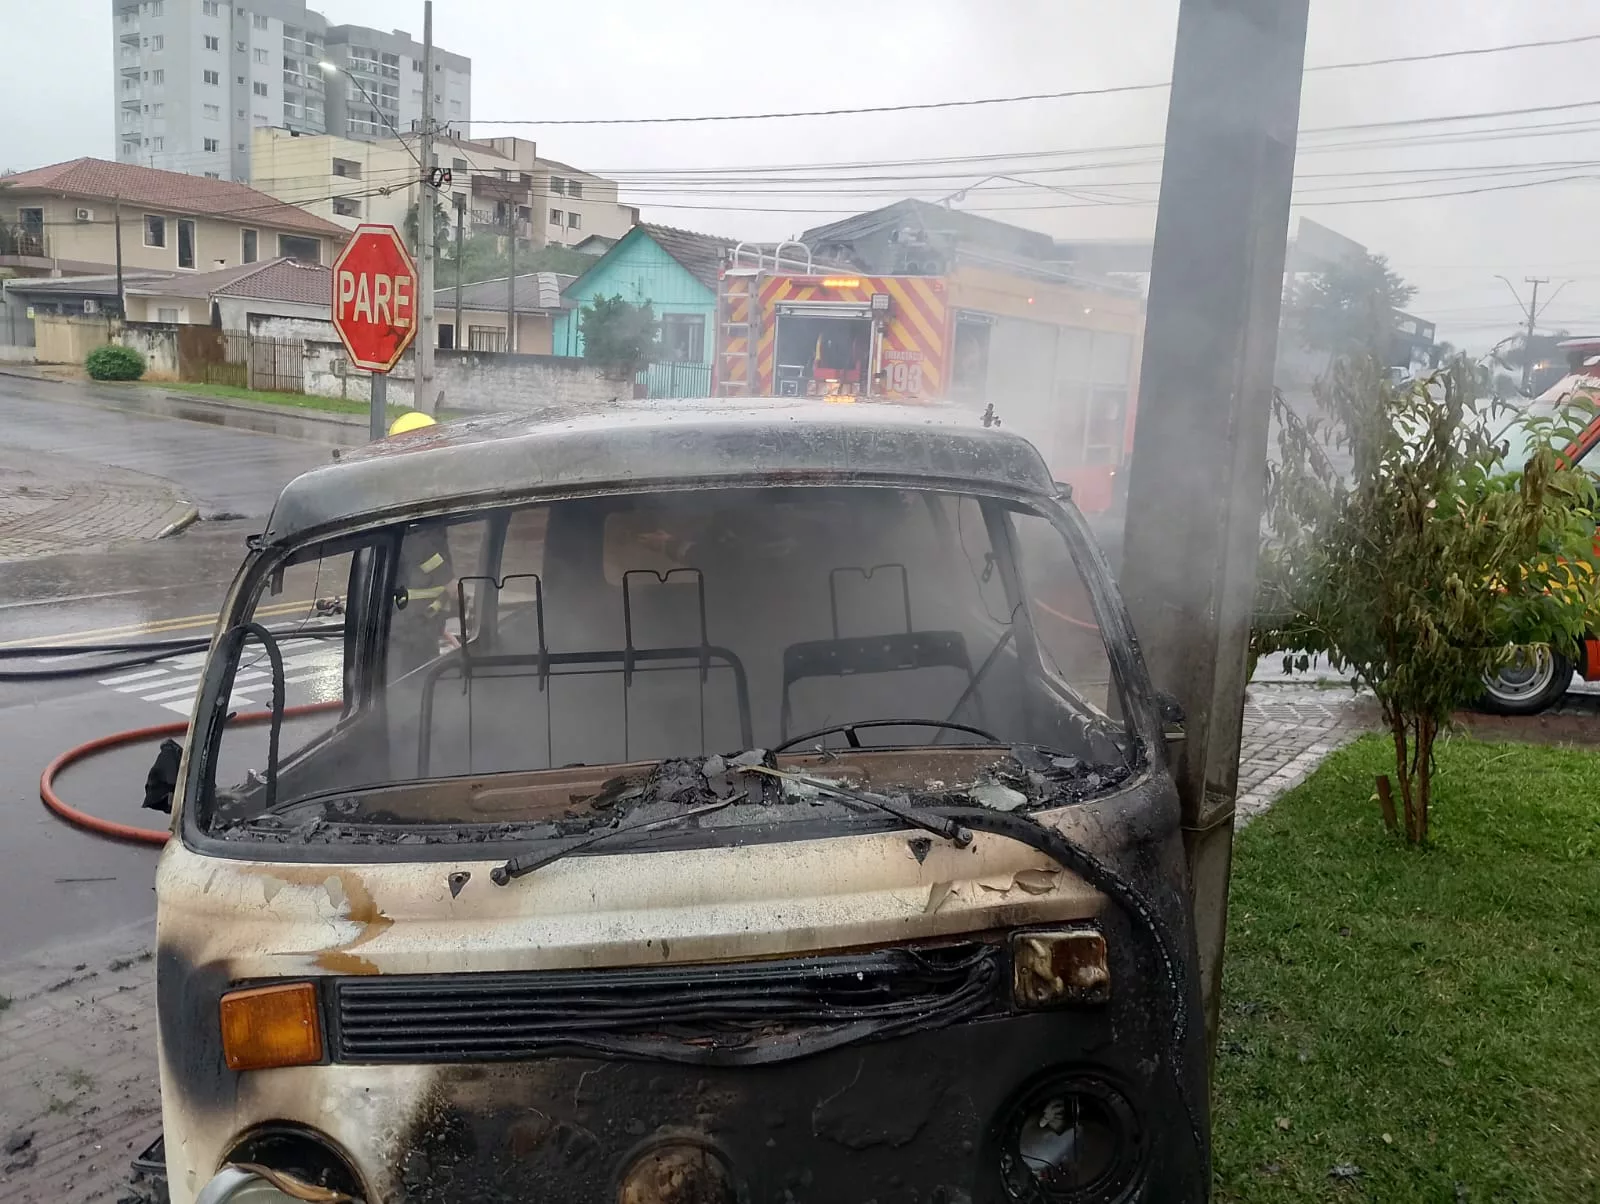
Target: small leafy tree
[(618, 335), (114, 362), (1347, 309), (1419, 570)]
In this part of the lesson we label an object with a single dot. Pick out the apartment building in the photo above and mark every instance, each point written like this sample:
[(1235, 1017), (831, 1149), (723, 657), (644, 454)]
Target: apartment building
[(194, 78), (502, 182), (379, 87)]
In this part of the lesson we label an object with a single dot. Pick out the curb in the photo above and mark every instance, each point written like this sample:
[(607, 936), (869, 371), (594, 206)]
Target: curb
[(181, 523)]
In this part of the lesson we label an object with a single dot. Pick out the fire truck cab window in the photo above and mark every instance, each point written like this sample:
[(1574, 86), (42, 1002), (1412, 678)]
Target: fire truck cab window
[(818, 356)]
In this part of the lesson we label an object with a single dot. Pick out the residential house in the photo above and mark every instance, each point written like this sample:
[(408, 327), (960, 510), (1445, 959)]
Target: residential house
[(675, 270), (64, 220), (230, 297), (536, 300)]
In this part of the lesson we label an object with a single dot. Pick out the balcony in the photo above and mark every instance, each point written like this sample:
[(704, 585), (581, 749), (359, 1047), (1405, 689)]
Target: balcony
[(130, 70), (130, 102), (17, 241), (129, 37)]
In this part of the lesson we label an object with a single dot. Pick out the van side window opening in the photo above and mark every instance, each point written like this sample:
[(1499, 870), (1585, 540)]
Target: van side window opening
[(576, 639)]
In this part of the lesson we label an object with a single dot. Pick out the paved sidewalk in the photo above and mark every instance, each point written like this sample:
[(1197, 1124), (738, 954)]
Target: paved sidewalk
[(77, 1042), (52, 504), (78, 1098)]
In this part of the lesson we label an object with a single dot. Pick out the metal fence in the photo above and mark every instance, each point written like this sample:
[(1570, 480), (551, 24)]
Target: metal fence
[(240, 361), (672, 379)]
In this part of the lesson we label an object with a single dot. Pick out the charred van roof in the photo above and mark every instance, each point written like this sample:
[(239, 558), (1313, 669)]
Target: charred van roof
[(640, 444)]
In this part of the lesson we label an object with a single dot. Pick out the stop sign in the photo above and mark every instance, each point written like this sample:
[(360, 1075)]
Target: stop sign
[(375, 297)]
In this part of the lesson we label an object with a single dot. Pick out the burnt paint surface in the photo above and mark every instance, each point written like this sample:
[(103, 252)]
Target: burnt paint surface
[(909, 1121)]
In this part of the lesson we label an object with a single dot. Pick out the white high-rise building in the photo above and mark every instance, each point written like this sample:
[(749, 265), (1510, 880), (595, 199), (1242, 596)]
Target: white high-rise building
[(194, 77)]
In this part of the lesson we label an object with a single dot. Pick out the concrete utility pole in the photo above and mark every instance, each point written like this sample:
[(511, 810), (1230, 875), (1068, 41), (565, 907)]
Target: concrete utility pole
[(116, 216), (426, 208), (1199, 456), (456, 339), (511, 276), (1533, 315)]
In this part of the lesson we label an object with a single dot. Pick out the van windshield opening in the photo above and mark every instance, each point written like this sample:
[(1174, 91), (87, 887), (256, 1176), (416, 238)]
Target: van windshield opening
[(533, 672)]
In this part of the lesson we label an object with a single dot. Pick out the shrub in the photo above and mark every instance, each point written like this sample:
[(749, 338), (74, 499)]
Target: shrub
[(114, 362)]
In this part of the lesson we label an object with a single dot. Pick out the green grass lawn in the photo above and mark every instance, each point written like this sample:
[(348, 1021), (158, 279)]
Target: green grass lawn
[(297, 401), (1426, 1021)]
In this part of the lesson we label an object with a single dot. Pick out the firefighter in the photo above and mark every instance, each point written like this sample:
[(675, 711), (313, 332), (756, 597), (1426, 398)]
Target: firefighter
[(424, 584)]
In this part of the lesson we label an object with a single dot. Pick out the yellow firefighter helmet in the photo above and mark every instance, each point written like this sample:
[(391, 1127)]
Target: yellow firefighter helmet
[(411, 420)]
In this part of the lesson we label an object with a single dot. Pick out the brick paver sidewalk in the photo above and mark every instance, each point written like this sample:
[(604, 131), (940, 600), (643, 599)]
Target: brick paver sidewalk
[(58, 504), (77, 1043)]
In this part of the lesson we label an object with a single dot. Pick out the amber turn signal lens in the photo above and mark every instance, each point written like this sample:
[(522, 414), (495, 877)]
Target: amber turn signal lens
[(264, 1027)]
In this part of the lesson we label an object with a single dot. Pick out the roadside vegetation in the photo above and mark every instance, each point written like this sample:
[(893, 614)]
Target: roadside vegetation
[(114, 362), (293, 401), (1418, 1026), (1419, 568)]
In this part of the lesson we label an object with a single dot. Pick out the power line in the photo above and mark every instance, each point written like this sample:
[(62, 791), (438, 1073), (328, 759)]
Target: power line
[(1111, 90)]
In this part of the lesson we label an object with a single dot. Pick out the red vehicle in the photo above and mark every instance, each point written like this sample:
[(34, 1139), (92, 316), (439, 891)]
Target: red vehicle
[(1056, 356), (1537, 677)]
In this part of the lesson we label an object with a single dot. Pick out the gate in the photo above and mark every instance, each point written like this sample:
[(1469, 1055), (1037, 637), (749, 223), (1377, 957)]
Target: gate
[(276, 365), (209, 357), (673, 379)]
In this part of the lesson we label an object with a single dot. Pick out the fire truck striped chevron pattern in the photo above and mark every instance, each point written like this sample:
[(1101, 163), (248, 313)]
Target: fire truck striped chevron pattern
[(913, 354)]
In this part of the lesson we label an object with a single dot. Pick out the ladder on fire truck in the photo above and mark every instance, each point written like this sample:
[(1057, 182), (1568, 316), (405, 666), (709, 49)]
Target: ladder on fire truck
[(739, 312)]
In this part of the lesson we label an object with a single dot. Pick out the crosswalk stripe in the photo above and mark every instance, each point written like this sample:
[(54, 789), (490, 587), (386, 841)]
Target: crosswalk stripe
[(127, 677)]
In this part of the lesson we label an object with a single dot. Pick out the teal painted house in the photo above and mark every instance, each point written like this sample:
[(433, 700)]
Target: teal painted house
[(676, 271)]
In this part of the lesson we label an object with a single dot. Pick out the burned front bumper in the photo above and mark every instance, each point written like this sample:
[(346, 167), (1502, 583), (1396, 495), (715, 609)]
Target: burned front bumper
[(894, 1075)]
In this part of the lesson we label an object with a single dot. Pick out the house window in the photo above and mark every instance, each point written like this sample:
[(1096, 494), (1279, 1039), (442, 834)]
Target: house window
[(416, 65), (259, 88), (574, 221), (486, 338), (185, 242), (458, 165), (213, 144), (258, 21), (155, 8), (575, 188), (156, 109), (455, 107), (261, 55), (210, 77), (347, 169), (247, 246), (683, 338), (213, 42), (558, 186), (157, 42), (155, 230), (555, 217), (212, 112), (158, 76), (209, 8), (346, 206), (213, 175), (130, 148), (303, 250), (158, 143)]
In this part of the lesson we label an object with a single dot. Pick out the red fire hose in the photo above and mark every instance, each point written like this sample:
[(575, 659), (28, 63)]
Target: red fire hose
[(108, 827)]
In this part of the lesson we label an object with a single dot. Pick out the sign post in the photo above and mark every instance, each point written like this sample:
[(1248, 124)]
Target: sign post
[(375, 308)]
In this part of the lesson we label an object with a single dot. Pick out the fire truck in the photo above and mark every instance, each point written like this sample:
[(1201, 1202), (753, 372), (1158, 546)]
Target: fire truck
[(1056, 357)]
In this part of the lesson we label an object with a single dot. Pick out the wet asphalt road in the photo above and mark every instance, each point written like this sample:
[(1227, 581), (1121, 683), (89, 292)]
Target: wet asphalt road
[(56, 883)]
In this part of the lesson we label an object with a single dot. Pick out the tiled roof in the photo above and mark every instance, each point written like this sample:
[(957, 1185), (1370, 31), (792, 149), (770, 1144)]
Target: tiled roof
[(270, 280), (284, 280), (98, 284), (700, 254), (172, 192), (536, 293)]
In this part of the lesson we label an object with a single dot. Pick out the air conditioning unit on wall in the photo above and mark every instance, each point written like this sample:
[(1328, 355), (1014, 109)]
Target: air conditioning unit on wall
[(86, 215)]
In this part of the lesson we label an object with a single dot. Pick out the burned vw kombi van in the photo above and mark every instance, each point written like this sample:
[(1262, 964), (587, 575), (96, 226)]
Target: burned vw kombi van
[(696, 806)]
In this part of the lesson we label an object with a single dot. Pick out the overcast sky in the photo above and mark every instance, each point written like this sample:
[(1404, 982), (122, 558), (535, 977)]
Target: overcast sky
[(632, 58)]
